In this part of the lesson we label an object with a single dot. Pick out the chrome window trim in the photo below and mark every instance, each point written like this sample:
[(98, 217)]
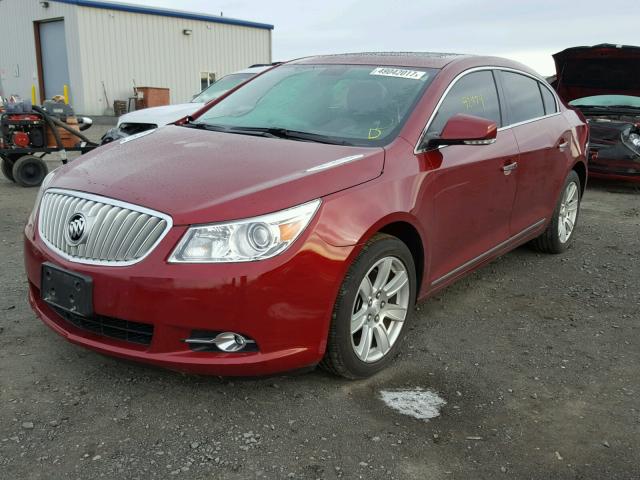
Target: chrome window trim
[(114, 203), (524, 122), (418, 150)]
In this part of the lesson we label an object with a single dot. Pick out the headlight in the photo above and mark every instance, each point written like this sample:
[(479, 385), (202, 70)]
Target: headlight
[(43, 186), (632, 140), (244, 240)]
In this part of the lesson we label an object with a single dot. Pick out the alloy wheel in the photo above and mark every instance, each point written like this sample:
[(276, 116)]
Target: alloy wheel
[(568, 212), (380, 309)]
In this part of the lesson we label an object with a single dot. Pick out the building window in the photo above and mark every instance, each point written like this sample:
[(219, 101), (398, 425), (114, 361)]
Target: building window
[(206, 79)]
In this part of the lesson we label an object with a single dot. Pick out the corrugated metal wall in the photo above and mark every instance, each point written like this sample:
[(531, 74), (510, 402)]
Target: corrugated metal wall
[(117, 47), (18, 66)]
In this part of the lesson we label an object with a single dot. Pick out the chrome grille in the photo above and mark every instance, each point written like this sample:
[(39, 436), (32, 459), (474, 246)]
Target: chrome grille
[(118, 233)]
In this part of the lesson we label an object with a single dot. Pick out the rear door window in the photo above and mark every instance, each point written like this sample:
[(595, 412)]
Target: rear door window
[(523, 96), (474, 94)]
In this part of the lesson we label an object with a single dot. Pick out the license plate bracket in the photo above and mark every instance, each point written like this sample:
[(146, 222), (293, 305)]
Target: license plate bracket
[(69, 291)]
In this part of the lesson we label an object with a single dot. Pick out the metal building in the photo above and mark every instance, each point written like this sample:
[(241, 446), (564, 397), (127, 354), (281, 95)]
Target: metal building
[(100, 48)]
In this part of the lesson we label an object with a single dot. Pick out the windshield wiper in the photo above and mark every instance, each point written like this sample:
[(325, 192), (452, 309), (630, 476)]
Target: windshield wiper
[(631, 107), (270, 132), (205, 126), (608, 107), (287, 134)]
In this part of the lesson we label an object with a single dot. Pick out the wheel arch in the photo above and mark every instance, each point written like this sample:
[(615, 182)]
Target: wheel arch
[(404, 227), (581, 169), (409, 235)]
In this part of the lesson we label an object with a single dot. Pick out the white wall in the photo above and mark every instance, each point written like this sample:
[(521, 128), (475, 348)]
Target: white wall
[(117, 47), (18, 66)]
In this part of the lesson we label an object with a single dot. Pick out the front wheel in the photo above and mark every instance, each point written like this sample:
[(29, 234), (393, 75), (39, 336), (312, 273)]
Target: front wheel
[(29, 171), (372, 310), (561, 230)]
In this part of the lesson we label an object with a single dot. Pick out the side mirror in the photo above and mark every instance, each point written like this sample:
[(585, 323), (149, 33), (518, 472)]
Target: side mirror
[(85, 123), (464, 129)]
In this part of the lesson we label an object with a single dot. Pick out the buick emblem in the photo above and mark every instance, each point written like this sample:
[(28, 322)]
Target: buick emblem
[(77, 227)]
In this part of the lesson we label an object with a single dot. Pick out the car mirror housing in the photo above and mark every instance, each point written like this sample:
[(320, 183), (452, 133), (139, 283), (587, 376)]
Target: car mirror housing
[(462, 129)]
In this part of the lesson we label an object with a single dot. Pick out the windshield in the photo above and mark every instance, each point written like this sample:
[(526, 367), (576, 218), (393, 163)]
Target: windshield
[(607, 101), (349, 104), (221, 86)]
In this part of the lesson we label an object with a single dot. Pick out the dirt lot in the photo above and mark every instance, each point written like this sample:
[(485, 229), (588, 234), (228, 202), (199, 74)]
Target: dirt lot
[(538, 358)]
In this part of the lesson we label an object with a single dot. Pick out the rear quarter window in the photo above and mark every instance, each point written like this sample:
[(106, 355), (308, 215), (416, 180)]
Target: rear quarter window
[(549, 100), (523, 97)]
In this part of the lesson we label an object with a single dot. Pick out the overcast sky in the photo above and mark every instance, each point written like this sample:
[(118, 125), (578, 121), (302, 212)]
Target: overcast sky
[(527, 31)]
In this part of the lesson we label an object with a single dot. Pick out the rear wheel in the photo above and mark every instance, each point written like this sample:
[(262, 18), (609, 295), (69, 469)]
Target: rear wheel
[(29, 171), (373, 307), (7, 168), (561, 230)]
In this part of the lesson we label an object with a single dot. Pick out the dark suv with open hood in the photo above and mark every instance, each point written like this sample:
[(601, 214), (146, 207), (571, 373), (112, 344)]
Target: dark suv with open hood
[(603, 82)]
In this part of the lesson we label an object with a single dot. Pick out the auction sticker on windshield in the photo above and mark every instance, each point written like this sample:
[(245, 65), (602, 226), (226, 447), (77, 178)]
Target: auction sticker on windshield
[(398, 72)]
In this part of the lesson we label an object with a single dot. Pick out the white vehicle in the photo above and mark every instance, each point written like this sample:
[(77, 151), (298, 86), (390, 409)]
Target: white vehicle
[(149, 118)]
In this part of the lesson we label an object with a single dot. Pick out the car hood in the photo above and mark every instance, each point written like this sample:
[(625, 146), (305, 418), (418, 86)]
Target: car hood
[(160, 116), (199, 176), (598, 70)]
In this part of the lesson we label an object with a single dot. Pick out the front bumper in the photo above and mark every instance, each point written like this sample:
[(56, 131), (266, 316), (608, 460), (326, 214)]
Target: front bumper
[(284, 304), (613, 171), (615, 163)]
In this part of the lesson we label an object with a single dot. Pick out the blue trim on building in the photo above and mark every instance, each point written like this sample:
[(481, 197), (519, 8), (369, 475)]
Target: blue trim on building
[(124, 7)]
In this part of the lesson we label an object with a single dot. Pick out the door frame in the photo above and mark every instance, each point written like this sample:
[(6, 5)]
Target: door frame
[(38, 45)]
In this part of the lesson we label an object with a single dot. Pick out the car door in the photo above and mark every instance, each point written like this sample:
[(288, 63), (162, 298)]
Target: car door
[(543, 138), (472, 189)]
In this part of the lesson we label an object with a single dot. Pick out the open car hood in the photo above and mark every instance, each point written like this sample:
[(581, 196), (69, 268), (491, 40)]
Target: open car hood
[(603, 69)]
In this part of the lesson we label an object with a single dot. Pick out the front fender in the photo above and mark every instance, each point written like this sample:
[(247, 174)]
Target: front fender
[(351, 217)]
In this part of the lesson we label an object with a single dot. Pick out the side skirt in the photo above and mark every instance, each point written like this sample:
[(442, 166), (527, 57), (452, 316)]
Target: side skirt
[(503, 247)]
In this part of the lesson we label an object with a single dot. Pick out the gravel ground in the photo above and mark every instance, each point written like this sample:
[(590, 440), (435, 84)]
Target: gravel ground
[(537, 357)]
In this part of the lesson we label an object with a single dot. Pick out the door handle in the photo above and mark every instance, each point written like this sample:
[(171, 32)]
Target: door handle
[(507, 169), (563, 146)]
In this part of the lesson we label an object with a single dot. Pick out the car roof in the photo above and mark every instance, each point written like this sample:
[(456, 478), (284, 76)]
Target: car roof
[(255, 70), (397, 59), (453, 61)]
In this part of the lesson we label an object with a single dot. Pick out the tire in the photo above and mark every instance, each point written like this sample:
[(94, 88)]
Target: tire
[(7, 168), (552, 240), (29, 171), (342, 357)]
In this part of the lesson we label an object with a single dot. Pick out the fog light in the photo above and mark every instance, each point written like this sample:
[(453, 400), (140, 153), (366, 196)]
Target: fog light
[(225, 341), (230, 342)]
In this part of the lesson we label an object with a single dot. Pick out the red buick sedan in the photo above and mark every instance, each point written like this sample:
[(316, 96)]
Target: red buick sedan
[(296, 220)]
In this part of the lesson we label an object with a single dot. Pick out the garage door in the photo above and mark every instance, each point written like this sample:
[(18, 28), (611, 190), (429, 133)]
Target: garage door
[(55, 68)]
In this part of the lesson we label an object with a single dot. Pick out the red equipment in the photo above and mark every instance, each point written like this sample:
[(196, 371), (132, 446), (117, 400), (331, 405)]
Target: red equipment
[(21, 139)]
